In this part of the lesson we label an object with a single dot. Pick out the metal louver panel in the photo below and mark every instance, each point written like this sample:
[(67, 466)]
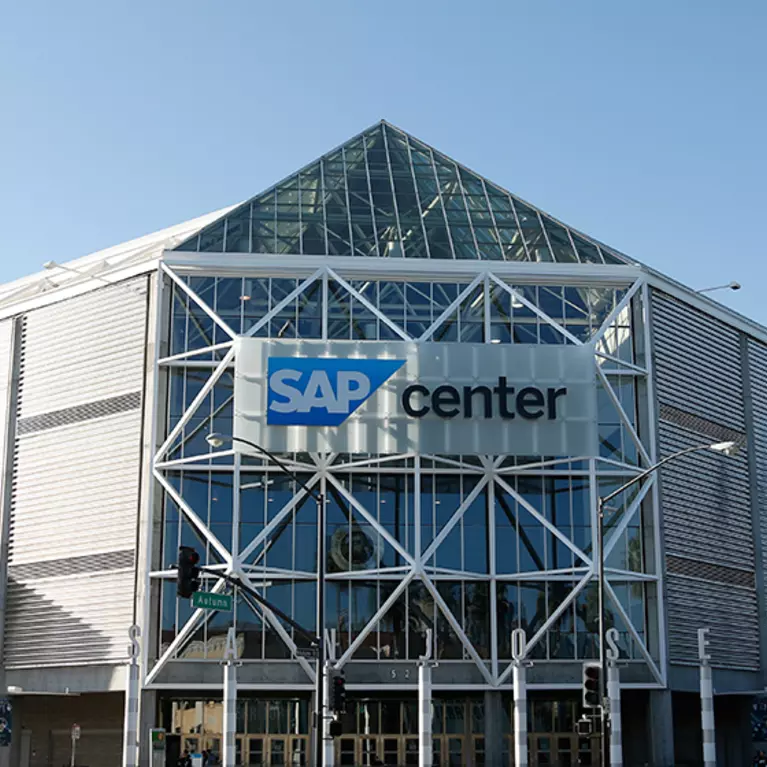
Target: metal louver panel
[(75, 490), (729, 611), (76, 475), (757, 370), (697, 363), (63, 621), (706, 497), (84, 349)]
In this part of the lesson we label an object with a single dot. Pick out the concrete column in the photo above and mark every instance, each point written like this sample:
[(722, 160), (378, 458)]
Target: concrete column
[(614, 696), (326, 743), (425, 749), (519, 673), (707, 715), (130, 727), (494, 727), (147, 720), (660, 728), (230, 714)]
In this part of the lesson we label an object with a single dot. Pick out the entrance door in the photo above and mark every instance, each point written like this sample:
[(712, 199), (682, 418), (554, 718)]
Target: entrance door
[(448, 751), (372, 750), (562, 750), (272, 751)]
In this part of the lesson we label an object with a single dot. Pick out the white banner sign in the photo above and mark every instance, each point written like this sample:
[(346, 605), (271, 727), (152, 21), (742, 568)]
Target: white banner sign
[(392, 397)]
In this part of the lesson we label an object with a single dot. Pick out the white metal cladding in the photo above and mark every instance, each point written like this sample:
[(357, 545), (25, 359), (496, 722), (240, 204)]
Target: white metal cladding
[(69, 620), (85, 349), (75, 489), (697, 363), (757, 371), (74, 500), (729, 611), (706, 501)]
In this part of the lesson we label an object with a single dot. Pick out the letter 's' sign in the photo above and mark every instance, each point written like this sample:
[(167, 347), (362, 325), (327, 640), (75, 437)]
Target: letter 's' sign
[(322, 391)]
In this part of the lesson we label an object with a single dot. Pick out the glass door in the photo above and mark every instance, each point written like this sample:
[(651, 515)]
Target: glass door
[(256, 751)]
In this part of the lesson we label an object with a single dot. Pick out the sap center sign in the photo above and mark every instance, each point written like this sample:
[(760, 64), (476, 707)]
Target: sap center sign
[(393, 397)]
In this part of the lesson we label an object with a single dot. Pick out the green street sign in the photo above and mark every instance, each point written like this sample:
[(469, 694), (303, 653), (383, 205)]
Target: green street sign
[(209, 601)]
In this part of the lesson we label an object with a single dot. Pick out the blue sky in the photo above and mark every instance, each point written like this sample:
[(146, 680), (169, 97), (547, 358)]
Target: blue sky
[(641, 123)]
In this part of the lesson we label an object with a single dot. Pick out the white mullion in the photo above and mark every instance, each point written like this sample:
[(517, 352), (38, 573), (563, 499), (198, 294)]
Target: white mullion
[(545, 235), (628, 516), (458, 629), (616, 372), (187, 355), (455, 518), (347, 199), (373, 622), (469, 222), (193, 517), (280, 305), (324, 304), (417, 196), (382, 531), (417, 512), (537, 311), (540, 465), (197, 300), (623, 416), (572, 243), (454, 306), (373, 462), (546, 575), (617, 309), (486, 288), (629, 575), (285, 511), (519, 226), (492, 585), (236, 480), (553, 529), (449, 462), (266, 572), (445, 573), (184, 633), (393, 189), (653, 450), (370, 196), (442, 202), (552, 619), (630, 366), (192, 409), (634, 633), (190, 462), (369, 306)]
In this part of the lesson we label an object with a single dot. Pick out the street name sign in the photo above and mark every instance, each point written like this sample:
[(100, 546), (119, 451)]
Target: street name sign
[(208, 601), (310, 653)]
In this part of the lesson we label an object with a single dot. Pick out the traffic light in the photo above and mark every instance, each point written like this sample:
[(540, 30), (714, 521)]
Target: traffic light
[(187, 574), (592, 685), (338, 693)]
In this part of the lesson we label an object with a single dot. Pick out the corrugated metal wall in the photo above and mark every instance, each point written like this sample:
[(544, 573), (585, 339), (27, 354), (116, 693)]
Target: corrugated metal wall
[(706, 499), (76, 473)]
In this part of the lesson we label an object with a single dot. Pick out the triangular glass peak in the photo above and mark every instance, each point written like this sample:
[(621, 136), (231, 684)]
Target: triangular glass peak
[(386, 194)]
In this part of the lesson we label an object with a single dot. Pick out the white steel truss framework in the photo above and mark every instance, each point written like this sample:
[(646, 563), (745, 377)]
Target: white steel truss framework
[(493, 476)]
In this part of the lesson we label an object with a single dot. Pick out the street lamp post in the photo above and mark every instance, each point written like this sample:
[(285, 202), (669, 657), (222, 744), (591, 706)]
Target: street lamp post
[(217, 440), (727, 448)]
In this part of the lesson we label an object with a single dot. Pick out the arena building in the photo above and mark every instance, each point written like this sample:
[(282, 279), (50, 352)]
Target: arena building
[(486, 374)]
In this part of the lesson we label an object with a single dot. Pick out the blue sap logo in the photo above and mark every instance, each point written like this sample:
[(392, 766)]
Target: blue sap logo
[(322, 391)]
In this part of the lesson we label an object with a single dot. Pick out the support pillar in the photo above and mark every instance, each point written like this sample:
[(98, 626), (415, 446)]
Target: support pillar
[(147, 720), (494, 729), (519, 676), (706, 701), (614, 696), (230, 701), (660, 728), (326, 744), (425, 747), (132, 692), (519, 673)]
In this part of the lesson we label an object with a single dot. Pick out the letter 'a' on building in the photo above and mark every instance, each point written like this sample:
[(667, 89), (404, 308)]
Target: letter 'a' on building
[(459, 377)]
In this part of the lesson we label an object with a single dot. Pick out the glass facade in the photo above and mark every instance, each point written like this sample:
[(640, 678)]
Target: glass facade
[(469, 547), (386, 194), (521, 544)]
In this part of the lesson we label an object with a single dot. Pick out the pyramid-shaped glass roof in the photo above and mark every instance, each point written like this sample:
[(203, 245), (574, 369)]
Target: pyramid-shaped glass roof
[(386, 194)]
